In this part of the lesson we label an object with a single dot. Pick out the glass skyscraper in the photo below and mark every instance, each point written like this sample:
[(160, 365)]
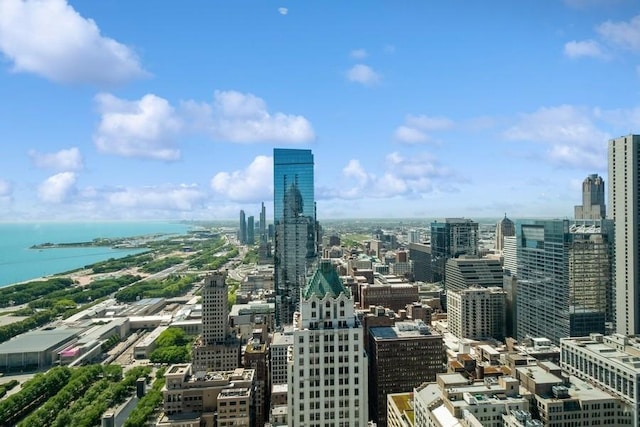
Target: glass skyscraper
[(450, 239), (564, 276), (295, 227)]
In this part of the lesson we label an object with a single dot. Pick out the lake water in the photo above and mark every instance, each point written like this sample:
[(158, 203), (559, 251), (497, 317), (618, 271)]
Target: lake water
[(19, 263)]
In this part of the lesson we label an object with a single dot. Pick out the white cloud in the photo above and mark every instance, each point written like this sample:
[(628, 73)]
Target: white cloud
[(623, 34), (588, 48), (57, 188), (429, 123), (5, 188), (410, 135), (358, 54), (63, 160), (144, 128), (238, 117), (415, 128), (583, 4), (283, 10), (401, 177), (6, 191), (51, 39), (166, 198), (570, 132), (150, 127), (252, 184), (363, 74)]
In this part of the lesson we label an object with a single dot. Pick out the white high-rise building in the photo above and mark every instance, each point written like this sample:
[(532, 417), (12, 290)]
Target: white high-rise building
[(624, 209), (328, 364)]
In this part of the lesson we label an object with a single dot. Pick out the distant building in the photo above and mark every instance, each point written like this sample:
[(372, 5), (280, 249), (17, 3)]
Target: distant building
[(263, 224), (251, 230), (504, 228), (242, 235), (593, 201), (463, 273), (420, 255), (510, 255), (401, 357), (450, 239), (328, 365), (334, 240), (394, 296), (217, 349)]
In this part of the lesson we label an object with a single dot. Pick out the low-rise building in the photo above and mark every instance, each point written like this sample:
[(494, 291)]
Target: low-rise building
[(612, 363), (453, 398), (212, 398)]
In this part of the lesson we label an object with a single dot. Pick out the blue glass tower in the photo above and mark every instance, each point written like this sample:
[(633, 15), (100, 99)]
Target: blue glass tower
[(295, 227)]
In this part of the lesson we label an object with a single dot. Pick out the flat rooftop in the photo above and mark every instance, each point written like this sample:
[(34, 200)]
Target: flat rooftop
[(38, 340)]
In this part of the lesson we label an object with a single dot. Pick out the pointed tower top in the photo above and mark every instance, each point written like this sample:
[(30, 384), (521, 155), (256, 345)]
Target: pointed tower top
[(324, 281)]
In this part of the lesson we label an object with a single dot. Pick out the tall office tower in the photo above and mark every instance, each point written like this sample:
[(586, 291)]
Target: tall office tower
[(263, 224), (450, 239), (414, 236), (420, 255), (564, 275), (242, 236), (504, 228), (328, 366), (464, 273), (294, 218), (624, 209), (251, 229), (593, 206), (401, 358), (217, 349), (591, 276)]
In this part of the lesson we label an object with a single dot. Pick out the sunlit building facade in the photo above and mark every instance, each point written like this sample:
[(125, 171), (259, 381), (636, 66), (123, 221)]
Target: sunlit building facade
[(624, 210), (328, 362), (217, 349)]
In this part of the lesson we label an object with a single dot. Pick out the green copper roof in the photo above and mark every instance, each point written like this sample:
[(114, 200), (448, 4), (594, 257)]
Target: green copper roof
[(325, 280)]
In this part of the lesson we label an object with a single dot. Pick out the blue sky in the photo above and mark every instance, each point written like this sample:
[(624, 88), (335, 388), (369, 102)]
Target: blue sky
[(158, 110)]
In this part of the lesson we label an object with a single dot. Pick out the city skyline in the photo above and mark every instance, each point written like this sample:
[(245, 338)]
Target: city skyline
[(125, 111)]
